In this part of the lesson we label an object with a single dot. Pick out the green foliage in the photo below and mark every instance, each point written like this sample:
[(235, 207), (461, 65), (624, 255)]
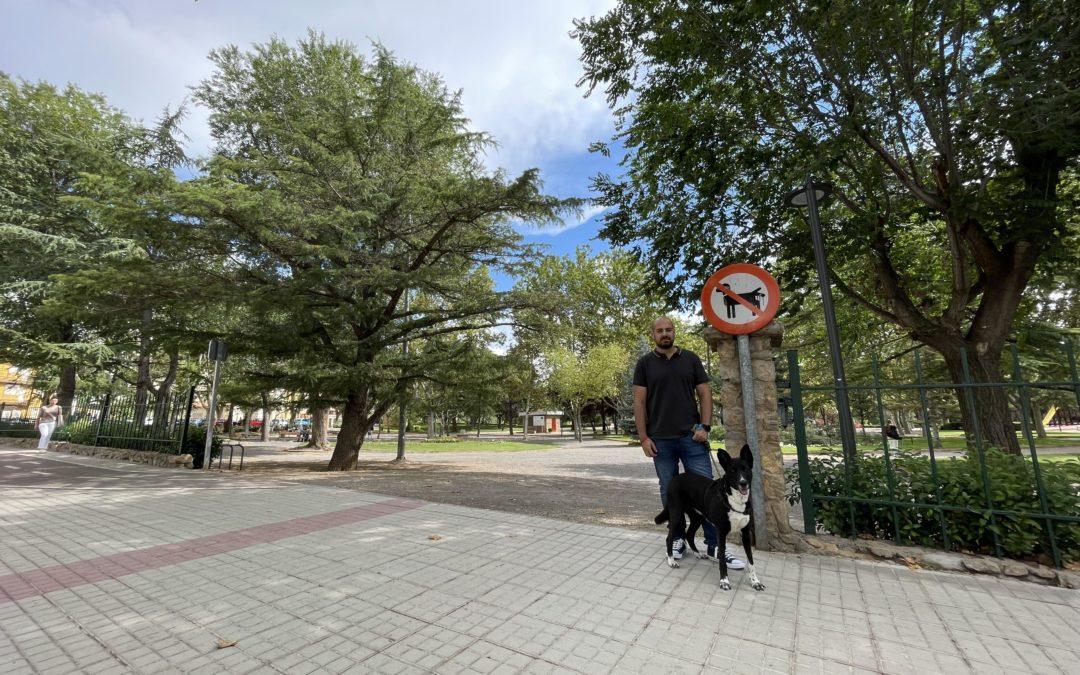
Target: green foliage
[(591, 377), (588, 299), (195, 445), (1012, 488), (18, 428), (340, 184), (954, 181), (80, 432)]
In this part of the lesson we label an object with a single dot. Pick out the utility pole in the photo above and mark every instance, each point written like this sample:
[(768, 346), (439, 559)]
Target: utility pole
[(217, 353)]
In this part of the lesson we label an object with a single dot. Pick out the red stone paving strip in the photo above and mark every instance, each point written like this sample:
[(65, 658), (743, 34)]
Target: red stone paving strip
[(23, 585)]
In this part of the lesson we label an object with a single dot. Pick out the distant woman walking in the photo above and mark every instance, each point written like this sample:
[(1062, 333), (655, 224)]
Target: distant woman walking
[(49, 417)]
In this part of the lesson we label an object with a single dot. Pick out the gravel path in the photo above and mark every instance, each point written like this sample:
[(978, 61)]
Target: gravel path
[(598, 482)]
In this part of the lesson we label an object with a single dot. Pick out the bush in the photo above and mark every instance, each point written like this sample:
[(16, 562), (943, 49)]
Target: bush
[(195, 445), (1012, 488), (442, 439), (79, 429), (18, 428)]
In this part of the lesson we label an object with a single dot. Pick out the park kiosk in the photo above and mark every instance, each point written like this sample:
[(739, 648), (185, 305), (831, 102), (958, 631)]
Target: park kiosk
[(542, 422)]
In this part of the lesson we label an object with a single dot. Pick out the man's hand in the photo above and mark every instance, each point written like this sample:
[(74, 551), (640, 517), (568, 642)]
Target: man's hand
[(648, 447), (700, 436)]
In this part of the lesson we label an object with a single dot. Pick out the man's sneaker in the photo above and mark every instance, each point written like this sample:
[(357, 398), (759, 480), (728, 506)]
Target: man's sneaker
[(732, 562), (677, 548)]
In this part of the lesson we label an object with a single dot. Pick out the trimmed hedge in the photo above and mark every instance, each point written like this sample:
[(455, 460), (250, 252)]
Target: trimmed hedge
[(1012, 488)]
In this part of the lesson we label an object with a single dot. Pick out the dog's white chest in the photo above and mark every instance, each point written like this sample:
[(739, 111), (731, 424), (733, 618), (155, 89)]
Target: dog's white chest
[(738, 520), (738, 516)]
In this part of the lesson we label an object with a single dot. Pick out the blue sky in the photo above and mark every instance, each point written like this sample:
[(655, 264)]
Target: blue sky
[(514, 62)]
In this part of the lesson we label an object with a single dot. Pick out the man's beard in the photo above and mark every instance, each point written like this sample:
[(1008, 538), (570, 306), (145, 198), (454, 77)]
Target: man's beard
[(664, 343)]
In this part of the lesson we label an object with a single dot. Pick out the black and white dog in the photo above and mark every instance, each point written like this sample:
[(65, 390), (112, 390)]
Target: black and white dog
[(725, 503)]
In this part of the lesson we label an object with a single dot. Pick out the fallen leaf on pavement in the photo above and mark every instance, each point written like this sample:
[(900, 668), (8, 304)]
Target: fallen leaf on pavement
[(222, 643), (434, 537)]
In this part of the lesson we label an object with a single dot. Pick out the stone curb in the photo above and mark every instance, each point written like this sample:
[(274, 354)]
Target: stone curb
[(137, 456), (916, 557)]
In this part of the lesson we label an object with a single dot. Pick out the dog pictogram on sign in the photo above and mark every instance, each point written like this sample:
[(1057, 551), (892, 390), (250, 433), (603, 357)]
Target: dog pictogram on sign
[(740, 299)]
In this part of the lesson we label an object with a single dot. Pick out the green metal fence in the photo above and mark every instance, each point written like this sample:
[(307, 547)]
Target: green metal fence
[(20, 421), (974, 499), (124, 420)]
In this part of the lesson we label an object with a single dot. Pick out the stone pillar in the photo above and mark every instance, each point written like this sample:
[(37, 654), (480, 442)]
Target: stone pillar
[(763, 345)]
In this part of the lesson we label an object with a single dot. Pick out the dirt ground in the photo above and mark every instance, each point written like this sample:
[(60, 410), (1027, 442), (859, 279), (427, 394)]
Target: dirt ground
[(598, 482)]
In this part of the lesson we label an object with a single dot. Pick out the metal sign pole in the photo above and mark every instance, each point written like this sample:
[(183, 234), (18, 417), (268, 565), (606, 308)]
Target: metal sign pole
[(211, 415), (757, 486)]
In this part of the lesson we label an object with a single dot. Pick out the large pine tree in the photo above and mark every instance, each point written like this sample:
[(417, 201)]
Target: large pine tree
[(340, 183)]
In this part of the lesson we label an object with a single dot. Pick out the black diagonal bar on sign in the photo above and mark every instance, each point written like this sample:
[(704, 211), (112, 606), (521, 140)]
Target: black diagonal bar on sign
[(739, 299)]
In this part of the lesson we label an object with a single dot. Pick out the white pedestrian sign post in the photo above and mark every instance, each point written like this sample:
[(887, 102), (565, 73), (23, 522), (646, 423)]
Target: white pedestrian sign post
[(217, 352), (738, 300)]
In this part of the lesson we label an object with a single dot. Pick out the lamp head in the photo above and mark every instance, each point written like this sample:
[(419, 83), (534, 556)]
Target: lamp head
[(798, 198)]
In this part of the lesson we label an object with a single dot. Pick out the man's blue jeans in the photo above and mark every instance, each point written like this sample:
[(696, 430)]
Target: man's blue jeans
[(695, 459)]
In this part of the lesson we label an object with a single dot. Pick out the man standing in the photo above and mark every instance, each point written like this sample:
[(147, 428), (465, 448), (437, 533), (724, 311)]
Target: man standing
[(669, 420)]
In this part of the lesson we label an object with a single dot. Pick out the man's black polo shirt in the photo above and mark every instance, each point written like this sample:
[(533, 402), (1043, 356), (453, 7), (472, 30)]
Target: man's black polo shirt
[(671, 408)]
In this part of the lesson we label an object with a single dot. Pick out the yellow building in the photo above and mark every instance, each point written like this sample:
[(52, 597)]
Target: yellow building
[(17, 398)]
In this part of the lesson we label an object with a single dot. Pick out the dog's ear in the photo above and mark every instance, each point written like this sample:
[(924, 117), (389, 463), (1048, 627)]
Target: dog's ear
[(725, 460), (747, 456)]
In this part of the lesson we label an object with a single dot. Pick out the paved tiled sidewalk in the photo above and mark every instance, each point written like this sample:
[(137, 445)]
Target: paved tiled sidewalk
[(107, 567)]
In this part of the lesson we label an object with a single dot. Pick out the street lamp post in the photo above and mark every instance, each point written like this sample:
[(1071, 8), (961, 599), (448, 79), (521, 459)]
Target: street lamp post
[(809, 195)]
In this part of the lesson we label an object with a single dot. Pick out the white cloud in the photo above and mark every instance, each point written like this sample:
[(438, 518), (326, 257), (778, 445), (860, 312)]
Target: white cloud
[(515, 61), (587, 214)]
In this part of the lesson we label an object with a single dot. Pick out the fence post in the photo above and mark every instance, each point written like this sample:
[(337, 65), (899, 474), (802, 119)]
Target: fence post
[(101, 416), (1025, 409), (927, 434), (885, 447), (806, 489), (1072, 369), (187, 420), (969, 397)]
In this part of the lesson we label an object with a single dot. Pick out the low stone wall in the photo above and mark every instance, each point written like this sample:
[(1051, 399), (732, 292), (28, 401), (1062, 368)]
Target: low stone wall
[(917, 557), (137, 456)]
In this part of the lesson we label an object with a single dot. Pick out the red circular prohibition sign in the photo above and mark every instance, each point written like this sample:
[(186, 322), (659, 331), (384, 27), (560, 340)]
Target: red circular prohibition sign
[(736, 304)]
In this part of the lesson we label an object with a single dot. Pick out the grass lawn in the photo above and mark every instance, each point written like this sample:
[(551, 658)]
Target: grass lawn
[(950, 440), (1059, 458), (479, 445)]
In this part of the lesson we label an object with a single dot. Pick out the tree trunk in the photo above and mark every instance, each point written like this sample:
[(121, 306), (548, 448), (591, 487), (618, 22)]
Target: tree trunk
[(247, 422), (319, 427), (603, 420), (935, 431), (65, 391), (354, 426), (431, 423), (265, 417), (992, 410), (401, 430), (228, 419), (576, 410), (525, 419), (510, 418), (905, 422), (1037, 421)]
